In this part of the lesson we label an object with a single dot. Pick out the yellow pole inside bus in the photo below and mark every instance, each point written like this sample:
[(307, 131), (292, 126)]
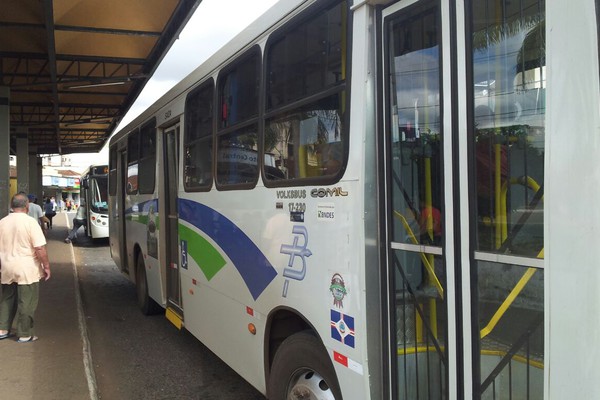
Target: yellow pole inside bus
[(526, 181), (498, 218), (429, 224)]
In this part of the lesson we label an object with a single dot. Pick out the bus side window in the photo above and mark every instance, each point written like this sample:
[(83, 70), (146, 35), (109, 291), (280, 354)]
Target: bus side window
[(147, 164), (307, 142), (237, 135), (198, 138), (112, 180), (306, 67), (133, 155)]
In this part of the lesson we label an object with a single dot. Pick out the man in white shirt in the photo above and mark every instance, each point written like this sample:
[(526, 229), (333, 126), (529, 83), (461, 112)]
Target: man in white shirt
[(23, 263)]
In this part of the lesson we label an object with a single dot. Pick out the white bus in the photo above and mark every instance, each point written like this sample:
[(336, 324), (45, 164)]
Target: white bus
[(94, 194), (378, 199)]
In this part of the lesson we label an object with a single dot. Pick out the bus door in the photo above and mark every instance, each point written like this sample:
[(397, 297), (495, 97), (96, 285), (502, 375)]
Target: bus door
[(120, 216), (417, 359), (170, 208)]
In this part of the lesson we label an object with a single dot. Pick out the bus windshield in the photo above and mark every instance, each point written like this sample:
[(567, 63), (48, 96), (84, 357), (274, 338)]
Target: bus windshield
[(99, 194)]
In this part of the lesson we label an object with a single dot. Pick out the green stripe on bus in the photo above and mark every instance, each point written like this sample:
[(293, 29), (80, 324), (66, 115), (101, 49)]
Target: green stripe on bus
[(204, 254)]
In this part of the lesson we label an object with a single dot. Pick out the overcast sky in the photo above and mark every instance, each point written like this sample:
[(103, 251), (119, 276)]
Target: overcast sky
[(213, 24)]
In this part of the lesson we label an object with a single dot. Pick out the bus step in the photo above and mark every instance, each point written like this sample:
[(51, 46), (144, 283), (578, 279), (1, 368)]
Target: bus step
[(174, 317), (427, 292)]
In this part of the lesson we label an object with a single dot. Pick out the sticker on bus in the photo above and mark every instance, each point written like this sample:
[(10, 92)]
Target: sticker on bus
[(342, 328)]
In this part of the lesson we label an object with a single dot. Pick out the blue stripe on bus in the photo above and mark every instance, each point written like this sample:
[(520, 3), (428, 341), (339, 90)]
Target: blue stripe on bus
[(256, 271)]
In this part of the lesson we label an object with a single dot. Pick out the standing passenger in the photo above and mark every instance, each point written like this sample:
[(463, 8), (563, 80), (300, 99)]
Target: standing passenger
[(23, 262), (49, 211), (35, 211)]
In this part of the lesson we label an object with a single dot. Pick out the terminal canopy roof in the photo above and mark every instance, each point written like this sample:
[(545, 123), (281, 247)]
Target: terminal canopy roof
[(74, 67)]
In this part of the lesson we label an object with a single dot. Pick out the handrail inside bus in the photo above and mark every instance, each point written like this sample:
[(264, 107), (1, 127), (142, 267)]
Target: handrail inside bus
[(428, 266), (502, 226), (502, 240), (509, 299)]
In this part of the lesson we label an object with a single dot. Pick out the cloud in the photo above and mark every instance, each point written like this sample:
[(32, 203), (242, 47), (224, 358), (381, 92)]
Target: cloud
[(214, 23)]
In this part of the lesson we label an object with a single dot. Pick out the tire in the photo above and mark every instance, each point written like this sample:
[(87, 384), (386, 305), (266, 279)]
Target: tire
[(302, 366), (147, 305)]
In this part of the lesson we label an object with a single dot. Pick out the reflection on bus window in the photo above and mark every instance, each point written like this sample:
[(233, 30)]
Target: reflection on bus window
[(305, 142), (509, 86), (133, 156), (415, 134), (509, 89), (237, 157), (132, 179), (237, 138), (198, 138), (198, 164), (308, 59), (238, 92), (112, 165), (147, 164), (306, 66)]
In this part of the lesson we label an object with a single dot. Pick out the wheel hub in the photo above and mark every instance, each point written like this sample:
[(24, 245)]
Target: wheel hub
[(308, 385)]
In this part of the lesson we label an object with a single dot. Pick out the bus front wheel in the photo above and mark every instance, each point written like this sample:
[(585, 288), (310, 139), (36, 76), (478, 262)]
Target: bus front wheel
[(147, 305), (302, 369)]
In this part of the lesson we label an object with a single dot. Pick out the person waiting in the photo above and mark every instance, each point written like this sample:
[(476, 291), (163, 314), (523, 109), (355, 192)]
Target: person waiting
[(50, 211), (36, 212)]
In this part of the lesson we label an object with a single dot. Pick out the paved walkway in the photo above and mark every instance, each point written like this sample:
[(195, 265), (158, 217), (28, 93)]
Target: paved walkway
[(55, 366)]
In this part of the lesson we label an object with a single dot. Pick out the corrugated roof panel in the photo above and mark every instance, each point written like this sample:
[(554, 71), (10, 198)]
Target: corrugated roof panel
[(69, 63)]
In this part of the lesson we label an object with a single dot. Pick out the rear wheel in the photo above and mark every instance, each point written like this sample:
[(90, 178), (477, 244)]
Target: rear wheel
[(302, 370), (145, 302)]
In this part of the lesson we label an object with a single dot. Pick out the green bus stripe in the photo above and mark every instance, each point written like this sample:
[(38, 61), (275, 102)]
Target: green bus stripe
[(204, 254)]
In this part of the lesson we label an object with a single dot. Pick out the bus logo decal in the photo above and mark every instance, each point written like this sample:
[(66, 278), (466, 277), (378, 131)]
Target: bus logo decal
[(338, 290), (184, 254), (295, 250), (254, 268), (328, 192)]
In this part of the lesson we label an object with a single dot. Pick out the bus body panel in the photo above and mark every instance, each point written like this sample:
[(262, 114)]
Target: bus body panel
[(572, 274), (137, 244), (324, 254), (98, 227)]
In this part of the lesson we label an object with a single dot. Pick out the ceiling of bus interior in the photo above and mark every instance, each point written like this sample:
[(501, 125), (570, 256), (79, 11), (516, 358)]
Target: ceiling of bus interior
[(75, 67)]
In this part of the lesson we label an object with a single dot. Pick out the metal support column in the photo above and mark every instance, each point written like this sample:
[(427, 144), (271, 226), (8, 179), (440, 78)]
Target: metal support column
[(4, 154), (35, 174), (22, 162)]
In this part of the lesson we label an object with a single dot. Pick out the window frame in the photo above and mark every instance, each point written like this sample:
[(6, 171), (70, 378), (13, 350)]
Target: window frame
[(144, 161), (113, 159), (341, 88), (209, 83), (255, 119), (133, 150)]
